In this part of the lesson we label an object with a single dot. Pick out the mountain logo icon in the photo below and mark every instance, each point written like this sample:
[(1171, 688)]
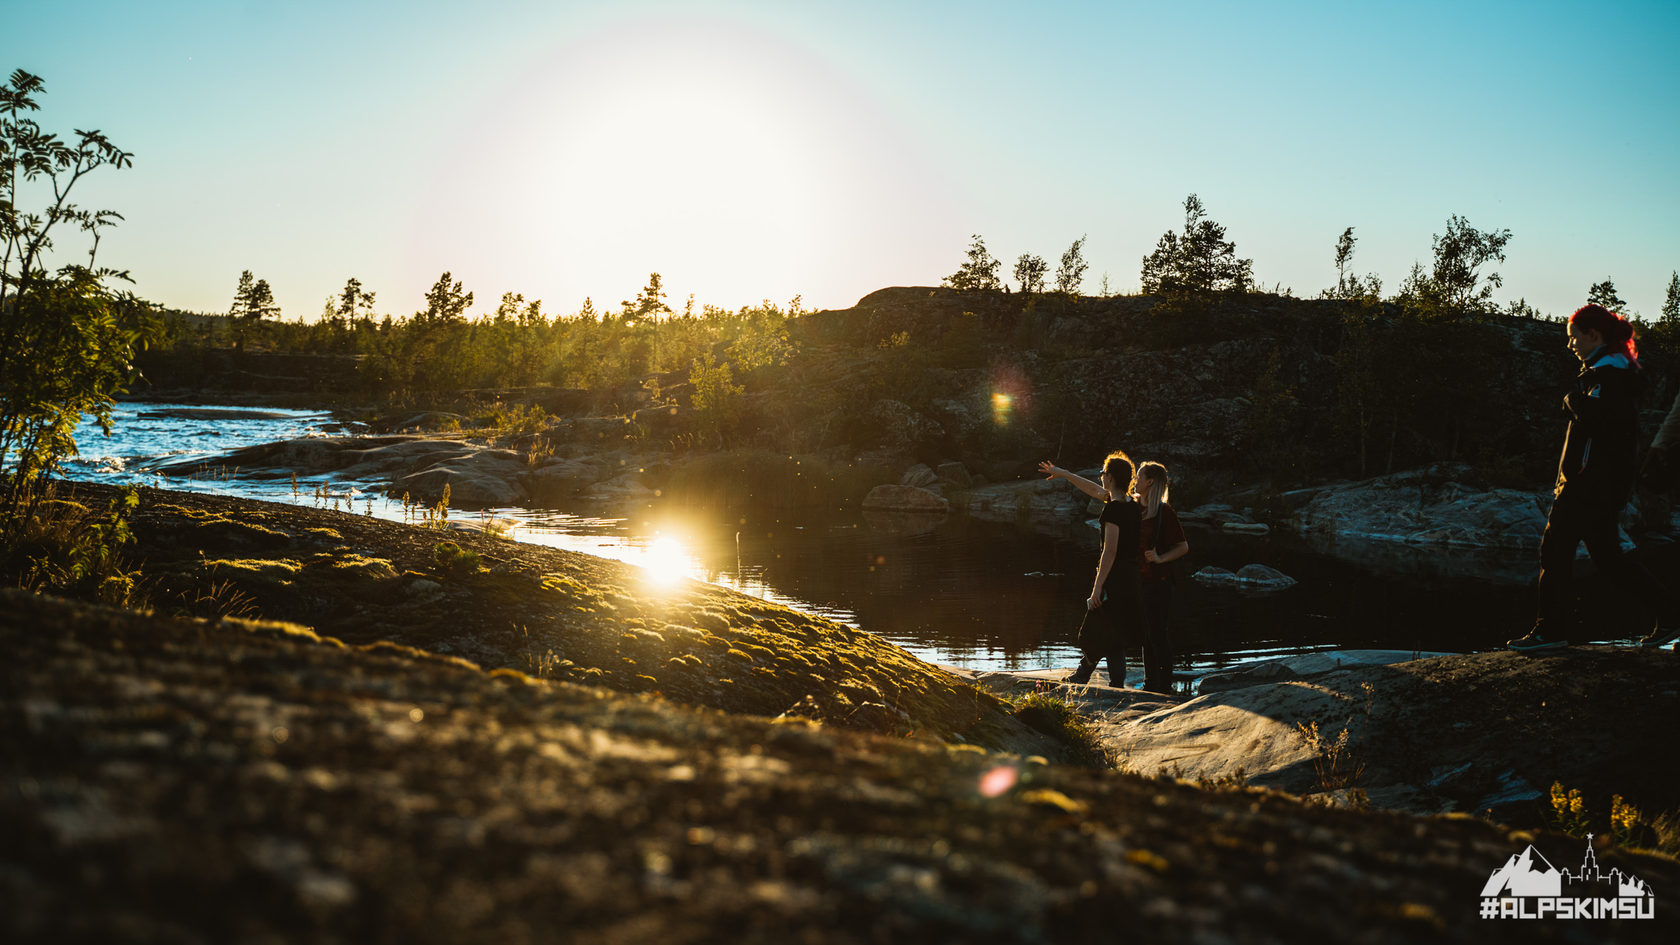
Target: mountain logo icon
[(1528, 886), (1521, 876)]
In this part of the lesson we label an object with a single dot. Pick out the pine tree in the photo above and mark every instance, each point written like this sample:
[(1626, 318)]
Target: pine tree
[(242, 295), (1604, 293), (1198, 262)]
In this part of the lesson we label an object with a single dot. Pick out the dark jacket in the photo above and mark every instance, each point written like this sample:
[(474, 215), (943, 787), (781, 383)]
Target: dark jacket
[(1602, 446)]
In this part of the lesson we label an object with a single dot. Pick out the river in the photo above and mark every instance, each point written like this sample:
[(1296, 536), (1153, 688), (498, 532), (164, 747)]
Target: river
[(974, 594)]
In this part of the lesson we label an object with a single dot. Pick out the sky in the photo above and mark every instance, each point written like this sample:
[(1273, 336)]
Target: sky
[(751, 150)]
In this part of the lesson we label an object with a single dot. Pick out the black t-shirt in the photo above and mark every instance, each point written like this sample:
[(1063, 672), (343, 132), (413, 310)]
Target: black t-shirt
[(1128, 517)]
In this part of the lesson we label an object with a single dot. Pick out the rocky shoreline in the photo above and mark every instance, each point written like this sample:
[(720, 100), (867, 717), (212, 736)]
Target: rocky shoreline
[(1429, 733), (1420, 510), (540, 748)]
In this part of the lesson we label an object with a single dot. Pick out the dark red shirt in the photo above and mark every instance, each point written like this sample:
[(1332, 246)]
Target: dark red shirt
[(1171, 534)]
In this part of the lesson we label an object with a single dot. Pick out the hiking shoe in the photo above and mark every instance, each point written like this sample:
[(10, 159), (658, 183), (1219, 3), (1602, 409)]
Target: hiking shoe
[(1660, 635), (1534, 642)]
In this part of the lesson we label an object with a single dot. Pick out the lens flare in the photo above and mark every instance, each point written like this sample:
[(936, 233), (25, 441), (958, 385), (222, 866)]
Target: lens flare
[(1003, 406), (998, 781)]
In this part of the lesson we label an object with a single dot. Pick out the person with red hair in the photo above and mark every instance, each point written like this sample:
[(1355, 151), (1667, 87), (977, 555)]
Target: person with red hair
[(1595, 478)]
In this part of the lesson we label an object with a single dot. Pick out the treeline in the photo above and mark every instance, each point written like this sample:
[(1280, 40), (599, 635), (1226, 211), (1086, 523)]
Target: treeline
[(1199, 261), (431, 356), (1436, 370)]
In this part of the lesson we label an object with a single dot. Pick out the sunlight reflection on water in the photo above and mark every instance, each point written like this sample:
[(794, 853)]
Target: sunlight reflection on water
[(970, 594)]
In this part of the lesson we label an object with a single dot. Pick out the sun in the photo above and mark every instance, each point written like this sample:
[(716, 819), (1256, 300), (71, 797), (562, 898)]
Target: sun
[(721, 154)]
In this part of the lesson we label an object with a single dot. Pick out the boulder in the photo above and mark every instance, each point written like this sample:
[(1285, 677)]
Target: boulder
[(902, 524), (1434, 506), (663, 420), (919, 476), (1050, 507), (1300, 666), (624, 487), (1250, 577), (956, 474), (904, 499), (487, 478)]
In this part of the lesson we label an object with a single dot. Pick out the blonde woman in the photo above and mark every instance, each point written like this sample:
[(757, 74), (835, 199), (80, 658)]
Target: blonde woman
[(1111, 612), (1161, 540)]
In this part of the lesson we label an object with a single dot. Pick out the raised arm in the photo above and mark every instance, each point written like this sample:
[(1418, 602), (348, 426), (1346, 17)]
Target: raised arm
[(1092, 489)]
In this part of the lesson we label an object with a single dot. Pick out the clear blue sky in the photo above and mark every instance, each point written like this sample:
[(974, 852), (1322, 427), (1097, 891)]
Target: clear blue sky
[(749, 149)]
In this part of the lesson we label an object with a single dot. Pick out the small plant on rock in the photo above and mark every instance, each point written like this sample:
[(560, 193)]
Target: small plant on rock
[(453, 561), (1334, 760), (1061, 720)]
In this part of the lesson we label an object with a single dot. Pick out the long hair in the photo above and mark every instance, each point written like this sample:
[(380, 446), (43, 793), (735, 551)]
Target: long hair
[(1616, 330), (1159, 488), (1119, 466)]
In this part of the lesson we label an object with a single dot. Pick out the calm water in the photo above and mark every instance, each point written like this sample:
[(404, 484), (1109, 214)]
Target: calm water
[(967, 593)]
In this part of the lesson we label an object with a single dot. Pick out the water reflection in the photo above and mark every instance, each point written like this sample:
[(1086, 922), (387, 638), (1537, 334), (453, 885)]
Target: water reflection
[(950, 589)]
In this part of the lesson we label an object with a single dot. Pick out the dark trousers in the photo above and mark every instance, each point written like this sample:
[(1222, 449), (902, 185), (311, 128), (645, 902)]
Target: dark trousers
[(1578, 517), (1157, 641), (1106, 630)]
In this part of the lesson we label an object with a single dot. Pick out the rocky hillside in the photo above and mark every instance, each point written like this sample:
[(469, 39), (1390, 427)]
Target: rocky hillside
[(1238, 393), (545, 612), (1249, 389), (176, 780)]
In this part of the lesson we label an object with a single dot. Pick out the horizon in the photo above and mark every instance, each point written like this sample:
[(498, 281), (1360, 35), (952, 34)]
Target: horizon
[(751, 151)]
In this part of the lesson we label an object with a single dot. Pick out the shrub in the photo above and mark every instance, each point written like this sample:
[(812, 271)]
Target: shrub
[(453, 561)]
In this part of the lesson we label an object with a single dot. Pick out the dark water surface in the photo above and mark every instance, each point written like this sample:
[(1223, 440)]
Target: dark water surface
[(963, 592)]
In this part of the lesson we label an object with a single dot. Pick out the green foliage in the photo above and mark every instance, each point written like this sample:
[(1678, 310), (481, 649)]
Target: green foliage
[(1061, 720), (512, 420), (1029, 273), (1671, 301), (253, 299), (354, 302), (1604, 293), (1348, 285), (1455, 283), (446, 304), (1070, 275), (978, 273), (1197, 262), (66, 341), (716, 395), (65, 548), (453, 561), (1272, 443), (650, 302)]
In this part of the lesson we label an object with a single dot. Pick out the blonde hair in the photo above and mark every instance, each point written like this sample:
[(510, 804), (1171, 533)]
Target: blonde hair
[(1159, 488), (1118, 465)]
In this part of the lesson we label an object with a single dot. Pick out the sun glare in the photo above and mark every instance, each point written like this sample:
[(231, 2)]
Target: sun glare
[(666, 561), (726, 158)]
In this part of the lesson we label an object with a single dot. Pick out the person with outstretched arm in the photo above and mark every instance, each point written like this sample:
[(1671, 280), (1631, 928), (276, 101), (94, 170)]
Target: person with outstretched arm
[(1113, 609)]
